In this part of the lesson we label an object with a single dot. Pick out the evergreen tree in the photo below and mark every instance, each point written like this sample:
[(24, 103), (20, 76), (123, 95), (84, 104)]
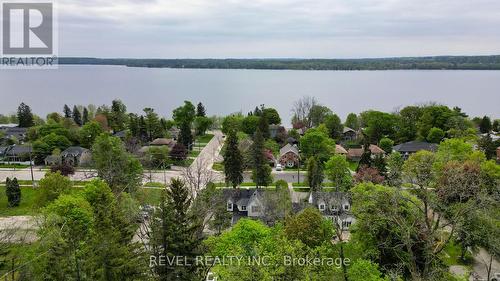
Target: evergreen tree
[(77, 117), (13, 192), (142, 129), (175, 232), (380, 165), (24, 116), (185, 135), (496, 125), (487, 146), (67, 111), (315, 174), (200, 110), (85, 118), (485, 125), (233, 161), (261, 173), (118, 116), (264, 126)]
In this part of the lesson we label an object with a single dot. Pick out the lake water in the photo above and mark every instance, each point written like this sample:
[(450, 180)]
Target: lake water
[(227, 91)]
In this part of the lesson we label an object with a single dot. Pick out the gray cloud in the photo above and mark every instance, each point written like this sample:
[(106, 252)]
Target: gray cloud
[(278, 28)]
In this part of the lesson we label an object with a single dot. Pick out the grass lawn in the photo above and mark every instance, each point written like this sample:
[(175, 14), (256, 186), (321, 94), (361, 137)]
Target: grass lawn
[(28, 196), (218, 167), (204, 139), (451, 255), (353, 165), (304, 184), (243, 184), (10, 166), (194, 153), (150, 196), (154, 184)]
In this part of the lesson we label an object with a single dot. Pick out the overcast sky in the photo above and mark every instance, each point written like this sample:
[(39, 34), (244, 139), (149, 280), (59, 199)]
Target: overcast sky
[(277, 28)]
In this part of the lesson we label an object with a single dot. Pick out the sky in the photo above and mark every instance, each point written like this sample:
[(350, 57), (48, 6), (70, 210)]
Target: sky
[(277, 28)]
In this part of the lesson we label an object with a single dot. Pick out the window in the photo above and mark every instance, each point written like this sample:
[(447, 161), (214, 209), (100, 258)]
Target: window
[(346, 207), (229, 206), (322, 207), (334, 208), (255, 209), (243, 208), (346, 224)]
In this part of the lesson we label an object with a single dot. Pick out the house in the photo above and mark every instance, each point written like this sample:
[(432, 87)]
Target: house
[(52, 160), (335, 206), (14, 132), (354, 154), (163, 142), (289, 156), (244, 203), (174, 133), (273, 130), (76, 156), (340, 150), (349, 134), (411, 147), (3, 150), (121, 134), (270, 157), (17, 153)]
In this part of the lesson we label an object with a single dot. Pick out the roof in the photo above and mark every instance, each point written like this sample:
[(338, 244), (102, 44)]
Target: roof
[(18, 150), (52, 158), (121, 134), (163, 141), (3, 149), (357, 152), (329, 199), (289, 148), (74, 151), (347, 129), (414, 146), (340, 150)]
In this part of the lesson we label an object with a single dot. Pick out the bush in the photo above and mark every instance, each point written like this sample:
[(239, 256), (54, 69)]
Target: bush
[(64, 168), (13, 192)]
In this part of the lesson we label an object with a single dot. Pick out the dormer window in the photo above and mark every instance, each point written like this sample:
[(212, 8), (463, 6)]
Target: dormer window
[(229, 206), (346, 207), (322, 207), (243, 208), (334, 208)]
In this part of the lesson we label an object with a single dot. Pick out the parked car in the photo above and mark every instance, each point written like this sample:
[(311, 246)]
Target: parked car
[(279, 167)]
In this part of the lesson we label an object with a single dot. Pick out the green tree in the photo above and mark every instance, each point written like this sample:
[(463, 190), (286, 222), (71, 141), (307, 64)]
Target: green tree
[(200, 110), (89, 132), (249, 124), (232, 123), (337, 171), (120, 170), (85, 116), (151, 124), (378, 125), (186, 136), (315, 174), (24, 116), (309, 227), (67, 111), (365, 270), (51, 186), (202, 124), (111, 249), (261, 172), (435, 135), (233, 161), (433, 116), (318, 114), (174, 232), (395, 164), (185, 113), (407, 125), (118, 116), (77, 116), (316, 142), (496, 125), (487, 146), (13, 192), (334, 126), (352, 121), (485, 125), (386, 144), (264, 127), (272, 115)]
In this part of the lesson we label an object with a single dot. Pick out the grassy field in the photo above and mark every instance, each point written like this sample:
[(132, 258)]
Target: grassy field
[(204, 139), (28, 197), (304, 184), (218, 167), (243, 184), (150, 196), (194, 153), (11, 166)]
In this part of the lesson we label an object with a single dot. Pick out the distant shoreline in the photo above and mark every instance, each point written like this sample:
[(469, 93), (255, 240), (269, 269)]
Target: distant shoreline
[(398, 63)]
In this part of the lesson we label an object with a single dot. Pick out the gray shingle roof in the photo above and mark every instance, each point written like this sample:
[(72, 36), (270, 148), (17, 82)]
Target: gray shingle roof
[(73, 151), (414, 146)]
